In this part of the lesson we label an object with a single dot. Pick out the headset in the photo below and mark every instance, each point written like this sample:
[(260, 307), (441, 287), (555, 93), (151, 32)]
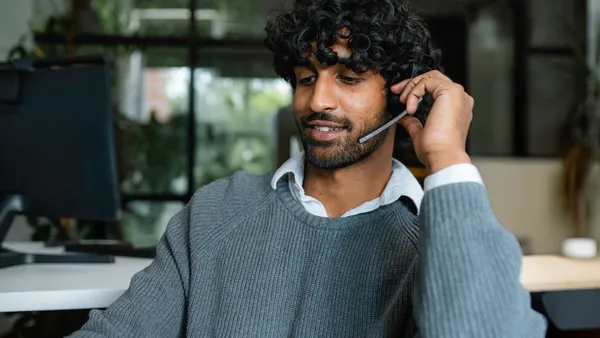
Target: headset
[(396, 108)]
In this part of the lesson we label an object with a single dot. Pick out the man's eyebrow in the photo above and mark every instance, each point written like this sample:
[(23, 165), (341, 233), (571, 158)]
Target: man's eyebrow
[(307, 63)]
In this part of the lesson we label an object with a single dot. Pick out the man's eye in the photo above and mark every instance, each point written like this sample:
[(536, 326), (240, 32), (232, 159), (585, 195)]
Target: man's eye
[(350, 80), (307, 80)]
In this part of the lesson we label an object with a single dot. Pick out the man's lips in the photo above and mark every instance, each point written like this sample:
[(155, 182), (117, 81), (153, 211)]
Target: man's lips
[(324, 130), (325, 124), (325, 136)]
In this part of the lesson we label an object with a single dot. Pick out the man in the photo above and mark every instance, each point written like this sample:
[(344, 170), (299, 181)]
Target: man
[(340, 242)]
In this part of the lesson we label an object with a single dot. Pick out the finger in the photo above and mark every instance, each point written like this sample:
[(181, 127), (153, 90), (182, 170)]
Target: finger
[(399, 87), (433, 87), (435, 74), (412, 125), (415, 82), (407, 89)]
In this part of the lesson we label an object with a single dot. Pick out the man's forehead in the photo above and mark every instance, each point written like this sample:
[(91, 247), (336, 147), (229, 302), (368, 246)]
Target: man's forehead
[(341, 48)]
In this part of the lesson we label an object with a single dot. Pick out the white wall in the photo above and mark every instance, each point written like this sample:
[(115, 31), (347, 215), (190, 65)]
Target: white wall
[(524, 195)]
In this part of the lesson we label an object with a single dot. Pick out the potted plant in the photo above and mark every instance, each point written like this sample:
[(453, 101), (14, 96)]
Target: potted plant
[(580, 154)]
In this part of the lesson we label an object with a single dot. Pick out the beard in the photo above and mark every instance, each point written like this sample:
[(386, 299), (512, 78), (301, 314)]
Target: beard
[(343, 151)]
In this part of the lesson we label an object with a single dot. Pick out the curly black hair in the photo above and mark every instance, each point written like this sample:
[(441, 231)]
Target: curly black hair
[(385, 36)]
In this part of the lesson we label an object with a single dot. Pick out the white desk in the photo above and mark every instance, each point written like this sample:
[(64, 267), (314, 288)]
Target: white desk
[(43, 287)]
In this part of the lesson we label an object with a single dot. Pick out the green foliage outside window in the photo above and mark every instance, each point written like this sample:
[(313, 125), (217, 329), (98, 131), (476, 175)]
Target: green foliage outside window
[(234, 121)]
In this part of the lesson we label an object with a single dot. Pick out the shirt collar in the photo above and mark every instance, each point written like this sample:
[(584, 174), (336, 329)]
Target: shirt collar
[(401, 183)]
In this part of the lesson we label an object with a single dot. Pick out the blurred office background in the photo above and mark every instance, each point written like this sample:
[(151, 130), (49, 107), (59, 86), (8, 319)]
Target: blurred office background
[(197, 98)]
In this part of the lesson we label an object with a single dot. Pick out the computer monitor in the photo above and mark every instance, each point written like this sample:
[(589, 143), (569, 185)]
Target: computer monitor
[(57, 151)]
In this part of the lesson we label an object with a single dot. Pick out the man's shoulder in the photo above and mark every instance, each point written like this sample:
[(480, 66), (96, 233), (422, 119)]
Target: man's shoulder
[(237, 191), (221, 206), (239, 182)]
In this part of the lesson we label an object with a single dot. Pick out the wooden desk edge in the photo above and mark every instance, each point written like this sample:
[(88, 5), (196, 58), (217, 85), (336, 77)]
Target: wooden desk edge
[(586, 270)]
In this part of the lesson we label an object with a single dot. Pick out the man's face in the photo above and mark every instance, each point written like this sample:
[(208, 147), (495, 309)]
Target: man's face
[(334, 107)]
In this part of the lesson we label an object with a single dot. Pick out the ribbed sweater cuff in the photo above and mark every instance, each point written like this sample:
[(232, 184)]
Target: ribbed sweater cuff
[(456, 201)]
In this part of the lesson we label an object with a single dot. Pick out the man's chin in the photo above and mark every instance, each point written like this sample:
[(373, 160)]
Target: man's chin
[(329, 159), (324, 164), (340, 153)]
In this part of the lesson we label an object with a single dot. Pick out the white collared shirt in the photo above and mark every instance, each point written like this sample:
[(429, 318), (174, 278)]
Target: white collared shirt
[(401, 183)]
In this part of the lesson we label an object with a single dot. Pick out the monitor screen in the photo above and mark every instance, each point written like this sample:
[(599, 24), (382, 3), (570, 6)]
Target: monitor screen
[(57, 144)]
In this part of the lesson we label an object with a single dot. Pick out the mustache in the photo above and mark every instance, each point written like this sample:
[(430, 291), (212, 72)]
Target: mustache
[(344, 122)]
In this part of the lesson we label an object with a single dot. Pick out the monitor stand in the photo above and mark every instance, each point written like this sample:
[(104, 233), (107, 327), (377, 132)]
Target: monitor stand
[(10, 206), (114, 248)]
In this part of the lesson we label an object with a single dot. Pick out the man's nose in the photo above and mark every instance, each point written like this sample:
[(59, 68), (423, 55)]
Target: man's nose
[(323, 97)]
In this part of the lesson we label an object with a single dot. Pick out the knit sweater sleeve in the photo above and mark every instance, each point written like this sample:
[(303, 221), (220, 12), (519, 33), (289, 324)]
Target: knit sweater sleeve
[(155, 303), (468, 278)]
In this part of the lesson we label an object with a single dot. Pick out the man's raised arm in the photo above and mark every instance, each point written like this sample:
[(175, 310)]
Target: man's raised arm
[(468, 282)]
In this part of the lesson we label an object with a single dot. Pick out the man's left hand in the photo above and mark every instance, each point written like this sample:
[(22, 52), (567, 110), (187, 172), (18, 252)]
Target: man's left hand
[(442, 142)]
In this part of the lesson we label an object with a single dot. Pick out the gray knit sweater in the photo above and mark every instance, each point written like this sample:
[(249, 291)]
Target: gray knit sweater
[(244, 260)]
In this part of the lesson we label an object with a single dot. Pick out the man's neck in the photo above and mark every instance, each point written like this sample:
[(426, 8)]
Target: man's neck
[(343, 189)]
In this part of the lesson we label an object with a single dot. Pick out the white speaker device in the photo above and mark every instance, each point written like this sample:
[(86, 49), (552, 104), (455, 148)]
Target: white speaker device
[(579, 247)]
